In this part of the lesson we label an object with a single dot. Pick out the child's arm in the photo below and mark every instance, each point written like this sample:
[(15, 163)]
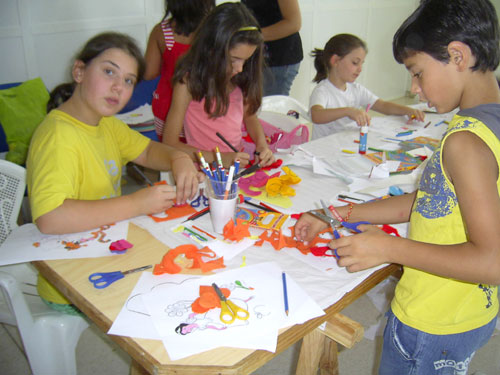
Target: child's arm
[(161, 157), (81, 215), (254, 128), (390, 108), (392, 210), (154, 53), (321, 115), (173, 127), (290, 24), (472, 168)]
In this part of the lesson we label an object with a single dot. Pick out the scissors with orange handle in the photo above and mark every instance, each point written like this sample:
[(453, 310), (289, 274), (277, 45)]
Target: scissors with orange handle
[(229, 312)]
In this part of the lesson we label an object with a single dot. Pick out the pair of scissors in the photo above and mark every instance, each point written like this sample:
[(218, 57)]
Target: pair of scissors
[(335, 223), (228, 310), (104, 279), (201, 199)]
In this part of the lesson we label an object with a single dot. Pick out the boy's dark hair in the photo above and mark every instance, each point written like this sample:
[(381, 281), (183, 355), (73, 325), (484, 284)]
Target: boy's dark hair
[(93, 48), (206, 66), (187, 14), (340, 45), (436, 23)]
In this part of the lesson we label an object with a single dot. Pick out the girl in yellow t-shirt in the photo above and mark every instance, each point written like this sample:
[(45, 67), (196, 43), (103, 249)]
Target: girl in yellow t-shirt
[(77, 153)]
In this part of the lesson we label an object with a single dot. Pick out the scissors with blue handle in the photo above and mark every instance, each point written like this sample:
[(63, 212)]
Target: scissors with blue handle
[(334, 223), (201, 199), (104, 279), (228, 310)]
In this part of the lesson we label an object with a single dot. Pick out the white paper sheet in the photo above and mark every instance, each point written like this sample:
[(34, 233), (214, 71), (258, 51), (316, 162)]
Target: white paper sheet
[(166, 302), (26, 243)]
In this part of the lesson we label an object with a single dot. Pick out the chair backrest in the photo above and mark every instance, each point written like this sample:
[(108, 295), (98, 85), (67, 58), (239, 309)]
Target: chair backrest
[(12, 188)]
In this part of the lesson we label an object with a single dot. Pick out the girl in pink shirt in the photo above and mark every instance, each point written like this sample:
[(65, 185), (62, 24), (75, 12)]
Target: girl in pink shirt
[(218, 87)]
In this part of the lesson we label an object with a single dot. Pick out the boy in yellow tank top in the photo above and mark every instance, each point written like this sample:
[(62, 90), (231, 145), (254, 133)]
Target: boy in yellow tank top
[(445, 304)]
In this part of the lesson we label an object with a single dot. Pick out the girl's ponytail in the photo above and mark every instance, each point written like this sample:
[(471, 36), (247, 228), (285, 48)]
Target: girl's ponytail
[(59, 95), (320, 64)]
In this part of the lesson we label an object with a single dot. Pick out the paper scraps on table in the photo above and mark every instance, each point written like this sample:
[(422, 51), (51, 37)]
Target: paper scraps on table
[(236, 231), (188, 257)]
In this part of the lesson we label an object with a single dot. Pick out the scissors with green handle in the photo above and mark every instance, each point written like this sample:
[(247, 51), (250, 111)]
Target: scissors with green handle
[(228, 310), (104, 279)]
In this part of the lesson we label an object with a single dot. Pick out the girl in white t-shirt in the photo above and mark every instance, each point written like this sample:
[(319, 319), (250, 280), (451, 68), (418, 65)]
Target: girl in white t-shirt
[(337, 100)]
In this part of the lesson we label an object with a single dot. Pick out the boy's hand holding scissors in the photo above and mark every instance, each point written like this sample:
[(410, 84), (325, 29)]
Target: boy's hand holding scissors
[(363, 250)]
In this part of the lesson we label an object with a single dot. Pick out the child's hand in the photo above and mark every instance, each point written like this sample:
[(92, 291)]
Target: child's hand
[(360, 116), (362, 250), (154, 199), (415, 114), (228, 158), (186, 178), (308, 227), (264, 156)]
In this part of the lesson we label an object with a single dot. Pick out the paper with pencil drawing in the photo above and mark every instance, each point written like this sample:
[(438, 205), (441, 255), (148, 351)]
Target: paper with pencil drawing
[(166, 306), (26, 243)]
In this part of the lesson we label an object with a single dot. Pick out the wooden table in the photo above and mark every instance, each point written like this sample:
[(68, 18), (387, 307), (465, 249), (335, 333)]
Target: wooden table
[(149, 356)]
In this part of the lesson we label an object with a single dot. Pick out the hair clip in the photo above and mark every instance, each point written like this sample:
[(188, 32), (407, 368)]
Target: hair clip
[(248, 28)]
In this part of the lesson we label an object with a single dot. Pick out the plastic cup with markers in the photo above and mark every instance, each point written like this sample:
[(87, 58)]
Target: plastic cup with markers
[(222, 198)]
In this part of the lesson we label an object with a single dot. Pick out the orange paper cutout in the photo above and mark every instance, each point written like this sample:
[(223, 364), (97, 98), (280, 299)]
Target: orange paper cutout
[(279, 241), (208, 299), (168, 265), (236, 232), (174, 212)]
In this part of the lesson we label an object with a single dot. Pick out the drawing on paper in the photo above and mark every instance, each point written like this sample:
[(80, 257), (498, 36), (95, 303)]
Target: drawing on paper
[(68, 243)]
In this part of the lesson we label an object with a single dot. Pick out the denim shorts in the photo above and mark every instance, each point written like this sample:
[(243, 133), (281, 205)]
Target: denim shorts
[(278, 79), (408, 351)]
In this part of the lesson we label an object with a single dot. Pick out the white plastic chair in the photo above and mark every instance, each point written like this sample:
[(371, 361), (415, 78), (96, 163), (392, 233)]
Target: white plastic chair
[(49, 337)]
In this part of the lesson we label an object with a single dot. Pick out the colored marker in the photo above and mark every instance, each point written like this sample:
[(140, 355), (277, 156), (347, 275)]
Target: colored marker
[(229, 181)]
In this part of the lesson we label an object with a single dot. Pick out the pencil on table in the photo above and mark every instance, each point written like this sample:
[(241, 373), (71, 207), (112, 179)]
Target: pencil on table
[(285, 292)]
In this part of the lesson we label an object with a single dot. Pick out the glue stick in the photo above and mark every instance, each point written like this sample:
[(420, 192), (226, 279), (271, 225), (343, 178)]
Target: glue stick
[(363, 138)]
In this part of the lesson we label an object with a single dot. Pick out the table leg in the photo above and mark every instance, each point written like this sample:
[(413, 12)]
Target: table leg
[(137, 369), (310, 353), (329, 362)]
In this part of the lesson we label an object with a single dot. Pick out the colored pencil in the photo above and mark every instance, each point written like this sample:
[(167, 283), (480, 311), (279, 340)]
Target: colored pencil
[(202, 231), (226, 142), (285, 292), (198, 214), (148, 181)]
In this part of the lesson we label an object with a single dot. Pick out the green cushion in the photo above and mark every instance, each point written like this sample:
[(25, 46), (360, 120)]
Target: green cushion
[(22, 108)]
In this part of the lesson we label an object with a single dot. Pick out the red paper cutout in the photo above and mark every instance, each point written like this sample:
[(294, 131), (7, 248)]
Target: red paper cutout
[(120, 246)]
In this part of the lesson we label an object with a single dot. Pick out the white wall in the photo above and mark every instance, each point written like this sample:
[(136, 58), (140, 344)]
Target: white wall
[(40, 37)]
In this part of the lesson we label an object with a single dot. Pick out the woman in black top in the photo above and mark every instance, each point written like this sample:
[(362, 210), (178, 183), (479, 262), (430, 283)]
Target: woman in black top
[(280, 21)]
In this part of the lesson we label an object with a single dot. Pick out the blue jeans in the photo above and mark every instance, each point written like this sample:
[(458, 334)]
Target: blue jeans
[(278, 79), (408, 351)]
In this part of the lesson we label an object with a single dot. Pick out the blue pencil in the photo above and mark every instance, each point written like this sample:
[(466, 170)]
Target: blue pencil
[(285, 293)]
